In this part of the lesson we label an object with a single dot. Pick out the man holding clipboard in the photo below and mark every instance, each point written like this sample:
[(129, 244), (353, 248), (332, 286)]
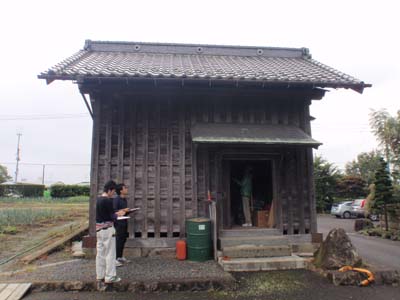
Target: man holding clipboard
[(121, 224)]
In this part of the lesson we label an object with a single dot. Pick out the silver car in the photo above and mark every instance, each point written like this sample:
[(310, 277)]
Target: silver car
[(342, 209), (358, 210)]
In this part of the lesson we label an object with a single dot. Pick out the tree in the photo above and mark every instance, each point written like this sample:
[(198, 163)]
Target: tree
[(364, 166), (351, 187), (325, 176), (383, 191), (387, 130), (4, 174)]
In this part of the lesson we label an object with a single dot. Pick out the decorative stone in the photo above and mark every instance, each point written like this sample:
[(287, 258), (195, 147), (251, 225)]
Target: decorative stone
[(337, 251)]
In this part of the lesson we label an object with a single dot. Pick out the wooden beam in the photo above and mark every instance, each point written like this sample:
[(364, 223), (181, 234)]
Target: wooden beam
[(182, 146), (300, 189), (157, 208), (108, 121), (145, 170), (311, 195), (94, 170), (170, 169), (132, 175), (121, 133)]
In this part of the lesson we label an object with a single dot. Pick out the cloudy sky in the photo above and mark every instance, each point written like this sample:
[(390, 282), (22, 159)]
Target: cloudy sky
[(359, 38)]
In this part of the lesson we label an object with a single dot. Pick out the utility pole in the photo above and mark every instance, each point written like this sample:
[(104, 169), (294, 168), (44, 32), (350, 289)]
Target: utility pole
[(44, 166), (18, 158)]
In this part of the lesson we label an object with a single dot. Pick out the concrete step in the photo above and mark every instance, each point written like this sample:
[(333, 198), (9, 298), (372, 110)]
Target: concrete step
[(256, 251), (279, 240), (263, 264), (245, 231)]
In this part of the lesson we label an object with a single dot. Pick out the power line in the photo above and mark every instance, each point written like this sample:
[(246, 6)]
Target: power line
[(41, 117), (50, 164)]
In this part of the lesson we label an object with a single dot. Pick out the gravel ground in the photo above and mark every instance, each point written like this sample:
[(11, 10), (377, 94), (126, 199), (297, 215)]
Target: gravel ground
[(277, 285), (140, 269)]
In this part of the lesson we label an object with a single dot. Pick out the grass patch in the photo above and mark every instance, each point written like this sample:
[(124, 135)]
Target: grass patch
[(265, 283), (13, 217), (75, 199), (393, 235)]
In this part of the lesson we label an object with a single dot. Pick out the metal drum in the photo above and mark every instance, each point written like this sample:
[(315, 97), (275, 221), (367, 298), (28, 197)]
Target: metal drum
[(199, 245)]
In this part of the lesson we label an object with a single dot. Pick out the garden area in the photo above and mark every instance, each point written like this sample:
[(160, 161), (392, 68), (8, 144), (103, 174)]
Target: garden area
[(28, 222)]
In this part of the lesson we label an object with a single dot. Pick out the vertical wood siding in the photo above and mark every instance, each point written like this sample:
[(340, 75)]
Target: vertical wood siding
[(145, 142)]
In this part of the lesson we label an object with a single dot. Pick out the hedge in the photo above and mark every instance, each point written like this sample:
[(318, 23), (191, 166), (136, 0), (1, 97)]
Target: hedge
[(22, 190), (63, 191)]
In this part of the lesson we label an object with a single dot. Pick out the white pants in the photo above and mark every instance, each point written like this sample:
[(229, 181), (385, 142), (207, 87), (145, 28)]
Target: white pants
[(246, 209), (105, 257)]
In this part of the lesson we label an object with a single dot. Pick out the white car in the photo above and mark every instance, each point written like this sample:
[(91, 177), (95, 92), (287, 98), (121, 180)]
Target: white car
[(358, 210), (342, 209)]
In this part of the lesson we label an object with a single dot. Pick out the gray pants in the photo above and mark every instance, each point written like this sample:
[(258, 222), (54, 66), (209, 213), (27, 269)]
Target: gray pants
[(246, 209), (105, 257)]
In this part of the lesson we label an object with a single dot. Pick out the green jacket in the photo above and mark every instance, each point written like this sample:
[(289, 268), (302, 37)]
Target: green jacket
[(245, 186)]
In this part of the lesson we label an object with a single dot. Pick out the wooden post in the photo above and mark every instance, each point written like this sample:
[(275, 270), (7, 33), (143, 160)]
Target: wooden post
[(145, 170), (132, 163), (157, 214), (94, 170), (121, 133), (182, 169), (170, 169)]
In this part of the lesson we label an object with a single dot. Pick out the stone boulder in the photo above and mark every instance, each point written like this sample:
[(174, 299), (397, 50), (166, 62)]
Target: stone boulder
[(336, 251), (361, 224)]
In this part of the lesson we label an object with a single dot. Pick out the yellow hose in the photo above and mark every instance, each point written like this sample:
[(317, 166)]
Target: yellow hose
[(365, 282)]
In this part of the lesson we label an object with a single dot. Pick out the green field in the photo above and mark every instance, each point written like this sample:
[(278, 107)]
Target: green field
[(19, 213)]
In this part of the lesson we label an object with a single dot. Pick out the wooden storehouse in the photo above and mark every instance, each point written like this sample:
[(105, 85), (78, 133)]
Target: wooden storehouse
[(177, 123)]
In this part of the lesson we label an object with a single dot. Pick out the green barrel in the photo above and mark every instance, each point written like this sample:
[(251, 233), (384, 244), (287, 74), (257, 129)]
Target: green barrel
[(198, 233)]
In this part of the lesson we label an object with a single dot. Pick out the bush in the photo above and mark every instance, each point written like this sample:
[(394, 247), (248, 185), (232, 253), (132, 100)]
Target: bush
[(63, 191), (22, 190)]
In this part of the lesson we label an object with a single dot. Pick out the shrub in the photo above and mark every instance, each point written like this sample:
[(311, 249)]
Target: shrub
[(22, 190), (63, 191)]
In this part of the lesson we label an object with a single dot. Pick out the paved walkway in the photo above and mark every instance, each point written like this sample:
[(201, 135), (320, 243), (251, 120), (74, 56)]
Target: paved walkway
[(150, 269)]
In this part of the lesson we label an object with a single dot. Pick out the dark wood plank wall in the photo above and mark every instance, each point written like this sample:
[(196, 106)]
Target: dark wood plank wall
[(145, 142), (294, 183)]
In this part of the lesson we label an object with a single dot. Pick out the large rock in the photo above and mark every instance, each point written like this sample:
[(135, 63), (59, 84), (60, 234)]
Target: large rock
[(337, 251)]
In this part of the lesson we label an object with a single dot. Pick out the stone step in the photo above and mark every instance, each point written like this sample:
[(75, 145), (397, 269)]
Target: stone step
[(253, 231), (256, 251), (254, 240), (263, 264)]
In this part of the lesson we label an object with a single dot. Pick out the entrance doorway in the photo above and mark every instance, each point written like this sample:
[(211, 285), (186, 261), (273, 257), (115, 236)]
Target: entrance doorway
[(261, 192)]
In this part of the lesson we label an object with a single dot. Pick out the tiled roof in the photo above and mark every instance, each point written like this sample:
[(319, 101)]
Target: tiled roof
[(196, 62)]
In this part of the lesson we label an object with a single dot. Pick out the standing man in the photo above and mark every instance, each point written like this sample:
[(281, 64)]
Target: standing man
[(121, 226), (246, 191), (105, 234)]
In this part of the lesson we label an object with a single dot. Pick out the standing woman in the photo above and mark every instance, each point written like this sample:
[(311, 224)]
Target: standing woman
[(105, 234)]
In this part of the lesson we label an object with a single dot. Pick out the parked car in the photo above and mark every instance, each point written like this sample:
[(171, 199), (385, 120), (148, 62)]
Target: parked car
[(342, 209), (358, 210)]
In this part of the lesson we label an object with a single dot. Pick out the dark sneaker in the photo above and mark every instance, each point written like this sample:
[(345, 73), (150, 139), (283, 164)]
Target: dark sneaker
[(100, 285)]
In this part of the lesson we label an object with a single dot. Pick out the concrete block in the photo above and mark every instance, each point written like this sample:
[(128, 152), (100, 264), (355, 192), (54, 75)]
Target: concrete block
[(263, 264), (254, 240), (256, 251)]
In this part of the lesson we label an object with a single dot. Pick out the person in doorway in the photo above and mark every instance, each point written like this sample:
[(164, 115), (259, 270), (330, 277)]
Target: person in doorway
[(105, 235), (121, 226), (246, 192)]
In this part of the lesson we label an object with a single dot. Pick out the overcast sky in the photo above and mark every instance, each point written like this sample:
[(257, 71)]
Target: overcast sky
[(359, 38)]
